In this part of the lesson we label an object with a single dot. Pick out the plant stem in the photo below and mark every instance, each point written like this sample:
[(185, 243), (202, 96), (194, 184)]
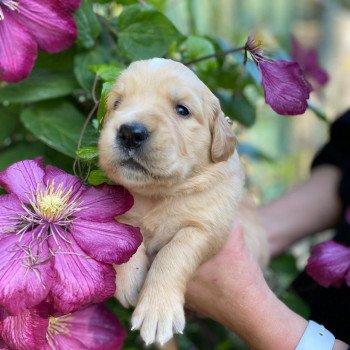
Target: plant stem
[(216, 54)]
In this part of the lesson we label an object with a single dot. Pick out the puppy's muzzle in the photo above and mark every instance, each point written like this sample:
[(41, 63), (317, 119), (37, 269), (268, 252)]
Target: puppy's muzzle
[(132, 135)]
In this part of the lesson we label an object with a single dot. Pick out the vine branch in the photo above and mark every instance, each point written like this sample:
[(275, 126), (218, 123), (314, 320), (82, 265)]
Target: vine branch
[(214, 55), (76, 164)]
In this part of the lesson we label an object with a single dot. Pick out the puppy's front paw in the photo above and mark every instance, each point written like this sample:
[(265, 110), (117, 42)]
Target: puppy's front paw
[(158, 317), (130, 278)]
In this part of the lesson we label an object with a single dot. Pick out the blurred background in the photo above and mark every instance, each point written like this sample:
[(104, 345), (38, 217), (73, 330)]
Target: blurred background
[(277, 150)]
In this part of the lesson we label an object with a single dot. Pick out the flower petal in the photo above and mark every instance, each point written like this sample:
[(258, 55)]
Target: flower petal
[(50, 23), (312, 68), (80, 279), (10, 213), (96, 327), (329, 263), (27, 331), (67, 181), (104, 203), (64, 342), (22, 178), (309, 62), (22, 287), (18, 50), (285, 87), (3, 346), (109, 242)]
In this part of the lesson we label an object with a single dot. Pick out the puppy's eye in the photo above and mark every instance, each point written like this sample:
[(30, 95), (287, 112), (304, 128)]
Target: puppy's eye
[(116, 104), (182, 110)]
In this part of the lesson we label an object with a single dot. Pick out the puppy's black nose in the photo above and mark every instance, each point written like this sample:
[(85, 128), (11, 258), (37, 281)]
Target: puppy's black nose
[(132, 135)]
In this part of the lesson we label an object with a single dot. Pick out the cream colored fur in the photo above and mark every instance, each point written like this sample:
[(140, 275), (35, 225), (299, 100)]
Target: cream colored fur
[(187, 193)]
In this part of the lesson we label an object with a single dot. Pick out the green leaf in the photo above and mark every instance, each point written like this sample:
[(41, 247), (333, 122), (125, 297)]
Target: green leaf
[(61, 61), (97, 177), (285, 264), (101, 112), (238, 108), (20, 151), (158, 4), (9, 123), (127, 2), (198, 47), (87, 154), (253, 152), (83, 61), (58, 125), (39, 87), (145, 33), (107, 72), (88, 25)]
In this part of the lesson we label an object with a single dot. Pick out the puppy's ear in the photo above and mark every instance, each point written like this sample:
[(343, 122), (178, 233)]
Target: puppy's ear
[(223, 142)]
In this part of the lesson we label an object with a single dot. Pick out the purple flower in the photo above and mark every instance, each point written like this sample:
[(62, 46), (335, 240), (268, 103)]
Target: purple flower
[(58, 238), (26, 25), (93, 328), (329, 264), (285, 88), (309, 62)]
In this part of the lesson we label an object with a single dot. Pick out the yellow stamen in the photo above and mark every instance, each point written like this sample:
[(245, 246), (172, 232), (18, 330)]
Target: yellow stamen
[(58, 325), (51, 202)]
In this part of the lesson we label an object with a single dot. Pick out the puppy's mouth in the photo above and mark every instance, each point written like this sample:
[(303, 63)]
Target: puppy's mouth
[(132, 164)]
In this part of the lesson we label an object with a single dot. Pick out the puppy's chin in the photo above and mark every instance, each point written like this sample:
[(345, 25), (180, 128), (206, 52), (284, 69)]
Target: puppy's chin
[(139, 179)]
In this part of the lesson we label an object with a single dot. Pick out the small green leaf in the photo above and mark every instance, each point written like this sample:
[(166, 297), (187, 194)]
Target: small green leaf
[(58, 125), (39, 87), (145, 33), (198, 47), (88, 25), (87, 154), (97, 177), (101, 112), (107, 72)]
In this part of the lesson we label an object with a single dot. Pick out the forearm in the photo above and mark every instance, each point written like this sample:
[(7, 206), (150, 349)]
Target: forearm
[(311, 207), (263, 321)]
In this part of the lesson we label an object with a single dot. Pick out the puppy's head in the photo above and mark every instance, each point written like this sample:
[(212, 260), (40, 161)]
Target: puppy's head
[(162, 126)]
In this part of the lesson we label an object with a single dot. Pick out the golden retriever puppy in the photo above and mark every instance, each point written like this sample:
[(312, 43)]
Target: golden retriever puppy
[(166, 140)]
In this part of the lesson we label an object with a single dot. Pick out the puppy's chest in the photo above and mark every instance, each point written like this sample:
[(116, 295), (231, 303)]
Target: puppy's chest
[(158, 224)]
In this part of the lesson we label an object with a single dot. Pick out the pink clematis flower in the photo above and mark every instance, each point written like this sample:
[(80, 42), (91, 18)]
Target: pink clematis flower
[(58, 238), (309, 62), (329, 264), (93, 328), (285, 88), (26, 25)]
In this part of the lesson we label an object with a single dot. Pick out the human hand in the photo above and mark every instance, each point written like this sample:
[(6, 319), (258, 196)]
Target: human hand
[(230, 288), (224, 279)]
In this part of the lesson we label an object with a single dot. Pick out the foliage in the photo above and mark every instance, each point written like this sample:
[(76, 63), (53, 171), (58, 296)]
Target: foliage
[(57, 112)]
